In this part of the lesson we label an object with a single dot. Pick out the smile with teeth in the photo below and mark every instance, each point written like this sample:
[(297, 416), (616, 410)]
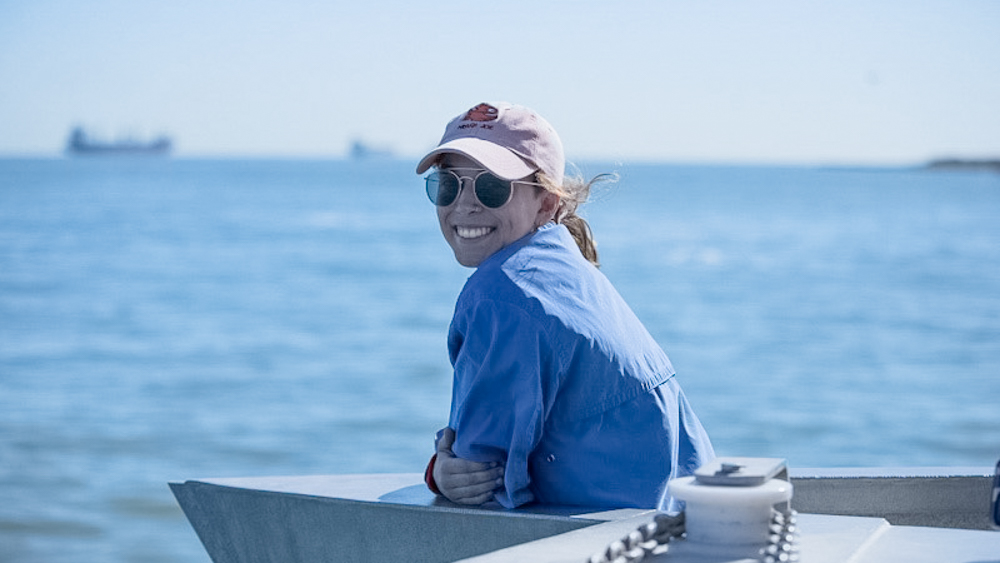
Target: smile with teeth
[(473, 232)]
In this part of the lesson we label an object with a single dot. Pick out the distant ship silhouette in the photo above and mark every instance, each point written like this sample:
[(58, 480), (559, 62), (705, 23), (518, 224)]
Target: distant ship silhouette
[(80, 143), (361, 151)]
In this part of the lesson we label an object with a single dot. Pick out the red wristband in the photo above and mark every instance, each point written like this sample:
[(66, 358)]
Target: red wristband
[(429, 476)]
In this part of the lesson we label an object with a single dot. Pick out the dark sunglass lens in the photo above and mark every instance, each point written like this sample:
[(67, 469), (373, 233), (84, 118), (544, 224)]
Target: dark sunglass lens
[(492, 191), (442, 188)]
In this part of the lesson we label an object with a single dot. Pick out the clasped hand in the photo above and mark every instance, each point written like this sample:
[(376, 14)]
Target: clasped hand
[(463, 481)]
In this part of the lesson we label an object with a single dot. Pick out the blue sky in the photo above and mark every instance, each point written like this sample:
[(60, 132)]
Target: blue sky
[(852, 82)]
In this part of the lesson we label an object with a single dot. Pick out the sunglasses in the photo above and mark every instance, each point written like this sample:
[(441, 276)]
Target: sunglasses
[(444, 185)]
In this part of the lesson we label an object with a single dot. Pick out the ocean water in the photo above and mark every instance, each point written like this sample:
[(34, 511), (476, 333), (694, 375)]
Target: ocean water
[(163, 320)]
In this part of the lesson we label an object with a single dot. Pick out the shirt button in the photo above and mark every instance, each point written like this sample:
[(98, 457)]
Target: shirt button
[(551, 458)]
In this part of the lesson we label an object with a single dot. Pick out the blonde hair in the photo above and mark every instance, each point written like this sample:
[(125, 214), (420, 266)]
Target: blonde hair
[(574, 192)]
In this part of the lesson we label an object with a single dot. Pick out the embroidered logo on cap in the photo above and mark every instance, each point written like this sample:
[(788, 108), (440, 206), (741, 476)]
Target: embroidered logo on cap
[(482, 112)]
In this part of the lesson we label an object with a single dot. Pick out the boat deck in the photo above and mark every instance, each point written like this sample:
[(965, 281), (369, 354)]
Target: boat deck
[(862, 516)]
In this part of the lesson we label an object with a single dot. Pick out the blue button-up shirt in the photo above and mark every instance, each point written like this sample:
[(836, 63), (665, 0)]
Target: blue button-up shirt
[(558, 379)]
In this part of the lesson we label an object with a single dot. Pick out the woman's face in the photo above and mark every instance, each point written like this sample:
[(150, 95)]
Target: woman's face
[(475, 231)]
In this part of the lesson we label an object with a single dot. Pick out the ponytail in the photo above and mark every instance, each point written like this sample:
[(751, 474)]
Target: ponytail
[(572, 193), (584, 237)]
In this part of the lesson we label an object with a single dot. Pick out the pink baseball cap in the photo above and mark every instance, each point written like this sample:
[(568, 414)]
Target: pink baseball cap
[(509, 140)]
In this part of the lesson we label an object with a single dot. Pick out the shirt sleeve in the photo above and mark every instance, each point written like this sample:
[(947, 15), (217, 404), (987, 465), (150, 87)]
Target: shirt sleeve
[(503, 390)]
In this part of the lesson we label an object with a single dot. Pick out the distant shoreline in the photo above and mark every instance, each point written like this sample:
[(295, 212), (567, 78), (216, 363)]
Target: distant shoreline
[(989, 165)]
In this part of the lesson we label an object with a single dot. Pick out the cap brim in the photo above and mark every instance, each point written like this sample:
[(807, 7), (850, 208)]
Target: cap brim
[(498, 160)]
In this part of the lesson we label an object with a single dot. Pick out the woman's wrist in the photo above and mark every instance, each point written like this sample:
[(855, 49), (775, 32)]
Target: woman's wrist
[(429, 476)]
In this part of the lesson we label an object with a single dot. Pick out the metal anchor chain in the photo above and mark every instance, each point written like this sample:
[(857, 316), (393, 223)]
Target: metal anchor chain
[(783, 540), (653, 539), (648, 539)]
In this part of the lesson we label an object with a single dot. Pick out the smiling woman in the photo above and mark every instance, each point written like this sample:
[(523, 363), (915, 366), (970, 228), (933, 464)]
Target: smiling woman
[(560, 395), (496, 212)]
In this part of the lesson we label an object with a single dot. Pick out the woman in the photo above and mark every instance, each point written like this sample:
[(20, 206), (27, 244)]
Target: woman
[(560, 395)]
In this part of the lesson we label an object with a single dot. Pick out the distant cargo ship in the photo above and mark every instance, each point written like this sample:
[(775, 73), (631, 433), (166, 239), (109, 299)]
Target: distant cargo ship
[(80, 143)]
